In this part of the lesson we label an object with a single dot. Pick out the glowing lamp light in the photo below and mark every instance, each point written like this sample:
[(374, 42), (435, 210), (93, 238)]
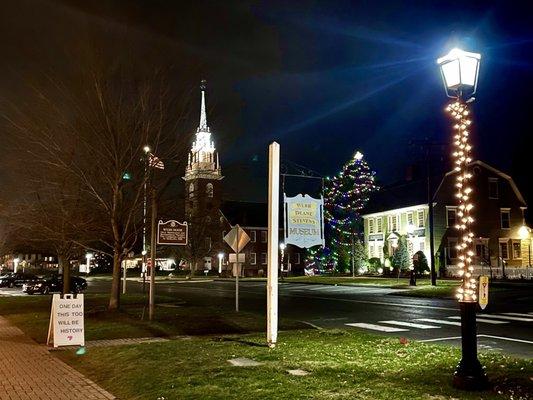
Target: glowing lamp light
[(146, 149), (523, 232), (282, 246), (220, 256), (459, 71)]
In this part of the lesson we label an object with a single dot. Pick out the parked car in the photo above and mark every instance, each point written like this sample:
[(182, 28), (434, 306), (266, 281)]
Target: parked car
[(54, 284), (12, 279)]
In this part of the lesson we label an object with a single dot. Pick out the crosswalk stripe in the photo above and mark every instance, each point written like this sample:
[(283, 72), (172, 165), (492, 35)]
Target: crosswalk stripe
[(507, 317), (439, 321), (410, 324), (486, 321), (375, 327), (518, 314)]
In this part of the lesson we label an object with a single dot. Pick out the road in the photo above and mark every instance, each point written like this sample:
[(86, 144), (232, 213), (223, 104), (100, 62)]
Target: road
[(505, 326)]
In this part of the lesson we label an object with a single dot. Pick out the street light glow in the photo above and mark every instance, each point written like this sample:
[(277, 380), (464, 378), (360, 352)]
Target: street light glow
[(523, 232), (220, 256), (282, 246), (146, 149)]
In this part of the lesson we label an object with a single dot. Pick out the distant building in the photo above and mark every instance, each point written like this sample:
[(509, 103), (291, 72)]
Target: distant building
[(402, 210)]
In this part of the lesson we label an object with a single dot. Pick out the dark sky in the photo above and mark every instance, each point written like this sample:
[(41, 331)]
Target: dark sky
[(324, 78)]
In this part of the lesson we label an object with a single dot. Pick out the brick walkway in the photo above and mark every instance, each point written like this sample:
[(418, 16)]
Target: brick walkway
[(29, 372)]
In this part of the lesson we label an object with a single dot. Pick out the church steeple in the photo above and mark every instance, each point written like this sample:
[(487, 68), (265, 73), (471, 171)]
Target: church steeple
[(203, 158)]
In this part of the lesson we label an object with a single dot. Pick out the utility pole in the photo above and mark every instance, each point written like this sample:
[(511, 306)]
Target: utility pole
[(152, 256), (237, 272)]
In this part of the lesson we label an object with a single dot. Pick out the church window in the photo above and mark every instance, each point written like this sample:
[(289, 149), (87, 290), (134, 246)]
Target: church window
[(191, 190), (209, 190)]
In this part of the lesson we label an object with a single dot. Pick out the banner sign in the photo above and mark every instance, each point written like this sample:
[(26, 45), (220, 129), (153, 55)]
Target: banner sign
[(304, 221), (67, 321), (172, 233)]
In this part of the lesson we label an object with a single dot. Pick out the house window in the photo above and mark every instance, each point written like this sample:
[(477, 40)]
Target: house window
[(253, 258), (371, 225), (493, 188), (452, 248), (517, 250), (379, 225), (451, 216), (263, 258), (209, 190), (380, 251), (410, 219), (263, 236), (191, 190), (393, 223), (370, 250), (420, 218), (297, 258), (253, 236), (504, 250), (208, 242), (505, 216)]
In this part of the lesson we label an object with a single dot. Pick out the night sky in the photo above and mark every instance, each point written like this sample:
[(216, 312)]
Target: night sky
[(324, 78)]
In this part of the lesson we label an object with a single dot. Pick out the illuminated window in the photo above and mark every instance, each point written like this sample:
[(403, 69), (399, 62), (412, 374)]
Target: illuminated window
[(410, 218), (379, 225), (420, 218), (393, 223), (517, 250), (505, 216), (371, 225), (504, 250)]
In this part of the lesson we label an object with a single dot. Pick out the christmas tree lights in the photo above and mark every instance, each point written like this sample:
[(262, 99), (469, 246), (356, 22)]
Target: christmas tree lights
[(345, 195)]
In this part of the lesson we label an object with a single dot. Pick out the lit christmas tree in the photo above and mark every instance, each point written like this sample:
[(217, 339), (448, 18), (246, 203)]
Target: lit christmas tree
[(345, 195)]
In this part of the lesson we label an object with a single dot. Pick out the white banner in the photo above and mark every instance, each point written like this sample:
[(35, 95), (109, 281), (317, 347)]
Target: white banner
[(303, 221)]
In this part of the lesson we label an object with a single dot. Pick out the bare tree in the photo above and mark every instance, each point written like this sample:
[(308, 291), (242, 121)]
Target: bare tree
[(94, 132)]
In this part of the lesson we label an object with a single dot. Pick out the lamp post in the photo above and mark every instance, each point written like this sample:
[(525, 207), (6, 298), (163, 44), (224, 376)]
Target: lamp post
[(525, 233), (220, 259), (282, 249), (146, 150), (459, 71), (88, 258)]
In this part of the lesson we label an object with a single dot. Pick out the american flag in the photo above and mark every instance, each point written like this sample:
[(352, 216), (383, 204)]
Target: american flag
[(155, 162)]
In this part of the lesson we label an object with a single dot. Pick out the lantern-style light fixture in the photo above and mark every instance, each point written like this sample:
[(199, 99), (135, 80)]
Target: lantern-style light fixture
[(459, 71)]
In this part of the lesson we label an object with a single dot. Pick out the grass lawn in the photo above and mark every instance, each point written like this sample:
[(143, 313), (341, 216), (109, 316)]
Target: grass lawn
[(341, 365), (32, 313)]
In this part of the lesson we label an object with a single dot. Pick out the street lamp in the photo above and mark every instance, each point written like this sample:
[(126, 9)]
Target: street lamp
[(459, 71), (282, 249), (220, 258), (88, 257), (16, 264), (524, 233)]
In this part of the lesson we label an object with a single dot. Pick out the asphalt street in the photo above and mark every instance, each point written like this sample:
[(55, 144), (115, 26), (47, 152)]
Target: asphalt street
[(505, 326)]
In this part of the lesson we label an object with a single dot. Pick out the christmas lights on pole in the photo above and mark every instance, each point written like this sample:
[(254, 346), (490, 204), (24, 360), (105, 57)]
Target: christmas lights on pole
[(459, 71)]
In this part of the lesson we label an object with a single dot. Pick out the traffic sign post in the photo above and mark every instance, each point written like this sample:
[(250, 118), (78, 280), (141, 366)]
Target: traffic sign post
[(237, 238), (483, 291)]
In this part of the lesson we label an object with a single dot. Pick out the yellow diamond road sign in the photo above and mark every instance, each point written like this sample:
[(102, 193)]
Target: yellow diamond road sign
[(237, 238)]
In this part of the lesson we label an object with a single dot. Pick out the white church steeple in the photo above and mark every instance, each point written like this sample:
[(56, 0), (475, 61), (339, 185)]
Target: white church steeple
[(203, 158)]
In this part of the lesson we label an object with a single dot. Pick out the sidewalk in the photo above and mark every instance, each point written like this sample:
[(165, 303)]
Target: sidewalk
[(29, 372)]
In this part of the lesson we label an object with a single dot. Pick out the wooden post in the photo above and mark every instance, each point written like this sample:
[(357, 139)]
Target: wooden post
[(273, 233)]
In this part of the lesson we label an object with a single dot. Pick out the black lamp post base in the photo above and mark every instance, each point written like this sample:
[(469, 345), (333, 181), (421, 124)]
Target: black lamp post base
[(471, 377), (469, 374)]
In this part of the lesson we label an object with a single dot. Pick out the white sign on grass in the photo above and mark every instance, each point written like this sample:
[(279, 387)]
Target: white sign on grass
[(67, 321)]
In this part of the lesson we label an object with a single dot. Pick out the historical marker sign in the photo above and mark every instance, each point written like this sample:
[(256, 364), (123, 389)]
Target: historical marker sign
[(483, 291), (172, 233), (67, 326), (304, 221)]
